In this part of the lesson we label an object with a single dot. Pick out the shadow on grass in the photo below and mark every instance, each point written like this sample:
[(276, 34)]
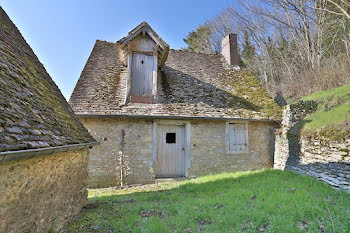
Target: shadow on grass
[(259, 201), (242, 182), (333, 173)]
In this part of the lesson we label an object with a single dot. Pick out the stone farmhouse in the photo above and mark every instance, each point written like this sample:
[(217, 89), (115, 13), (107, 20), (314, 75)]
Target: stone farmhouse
[(43, 146), (164, 113)]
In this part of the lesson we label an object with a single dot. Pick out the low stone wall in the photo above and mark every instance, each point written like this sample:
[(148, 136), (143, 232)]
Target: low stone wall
[(326, 160), (42, 193), (207, 149), (322, 158), (287, 142)]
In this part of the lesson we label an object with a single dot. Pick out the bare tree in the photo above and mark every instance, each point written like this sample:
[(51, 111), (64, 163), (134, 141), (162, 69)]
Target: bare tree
[(300, 45)]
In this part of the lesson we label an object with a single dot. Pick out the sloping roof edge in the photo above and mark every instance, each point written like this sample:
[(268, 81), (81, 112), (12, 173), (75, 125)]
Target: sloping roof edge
[(31, 153), (177, 117), (138, 29)]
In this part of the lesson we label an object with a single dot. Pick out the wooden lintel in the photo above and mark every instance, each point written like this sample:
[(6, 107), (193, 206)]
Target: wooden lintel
[(143, 52)]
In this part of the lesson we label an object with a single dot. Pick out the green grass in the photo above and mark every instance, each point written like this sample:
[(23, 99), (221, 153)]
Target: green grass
[(261, 201), (332, 117)]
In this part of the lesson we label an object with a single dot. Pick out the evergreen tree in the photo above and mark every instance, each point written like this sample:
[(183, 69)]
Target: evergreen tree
[(198, 40), (248, 52)]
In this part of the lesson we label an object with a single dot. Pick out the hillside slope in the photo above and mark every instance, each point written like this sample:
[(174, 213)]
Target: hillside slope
[(332, 118)]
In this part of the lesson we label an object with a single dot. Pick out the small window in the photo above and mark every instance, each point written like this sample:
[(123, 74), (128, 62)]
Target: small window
[(237, 138), (170, 138)]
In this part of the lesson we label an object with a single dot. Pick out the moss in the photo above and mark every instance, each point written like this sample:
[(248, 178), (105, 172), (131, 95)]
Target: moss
[(251, 95), (4, 27), (330, 118)]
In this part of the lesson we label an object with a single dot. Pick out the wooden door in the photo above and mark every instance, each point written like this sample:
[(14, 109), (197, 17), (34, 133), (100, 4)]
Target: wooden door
[(141, 74), (171, 151)]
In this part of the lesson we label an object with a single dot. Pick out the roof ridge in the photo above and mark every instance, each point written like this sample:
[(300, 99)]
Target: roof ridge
[(195, 52), (111, 42)]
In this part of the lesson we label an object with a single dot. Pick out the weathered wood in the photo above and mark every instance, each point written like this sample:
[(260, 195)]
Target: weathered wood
[(142, 74), (128, 80), (170, 160), (144, 44), (154, 76), (236, 137), (143, 31)]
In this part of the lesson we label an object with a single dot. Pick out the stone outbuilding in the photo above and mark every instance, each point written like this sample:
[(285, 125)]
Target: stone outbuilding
[(43, 145), (164, 113)]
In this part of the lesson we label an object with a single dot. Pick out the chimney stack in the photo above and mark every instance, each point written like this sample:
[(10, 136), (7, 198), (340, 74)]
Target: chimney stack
[(229, 50)]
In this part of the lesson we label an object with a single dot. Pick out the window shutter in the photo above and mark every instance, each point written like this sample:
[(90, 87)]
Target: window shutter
[(237, 137)]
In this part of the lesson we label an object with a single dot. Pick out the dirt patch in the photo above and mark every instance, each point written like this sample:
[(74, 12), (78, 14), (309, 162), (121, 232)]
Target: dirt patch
[(203, 221), (131, 201), (150, 213)]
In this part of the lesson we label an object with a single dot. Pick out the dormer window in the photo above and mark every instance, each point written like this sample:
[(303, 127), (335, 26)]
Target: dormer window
[(143, 51)]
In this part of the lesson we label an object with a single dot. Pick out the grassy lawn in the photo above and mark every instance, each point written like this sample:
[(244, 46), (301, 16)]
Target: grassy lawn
[(261, 201), (332, 116)]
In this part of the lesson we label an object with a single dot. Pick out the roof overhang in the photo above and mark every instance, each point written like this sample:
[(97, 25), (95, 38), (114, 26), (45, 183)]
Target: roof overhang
[(31, 153), (162, 47), (178, 117)]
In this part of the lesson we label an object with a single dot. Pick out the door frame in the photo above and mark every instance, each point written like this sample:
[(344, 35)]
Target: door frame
[(154, 76), (187, 145)]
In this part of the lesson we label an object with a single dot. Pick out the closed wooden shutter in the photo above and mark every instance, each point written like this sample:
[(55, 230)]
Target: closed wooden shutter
[(237, 137)]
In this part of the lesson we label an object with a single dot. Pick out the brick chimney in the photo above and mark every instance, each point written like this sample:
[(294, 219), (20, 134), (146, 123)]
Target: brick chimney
[(229, 50)]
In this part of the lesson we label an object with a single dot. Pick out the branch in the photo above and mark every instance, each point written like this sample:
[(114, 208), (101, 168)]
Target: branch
[(345, 13)]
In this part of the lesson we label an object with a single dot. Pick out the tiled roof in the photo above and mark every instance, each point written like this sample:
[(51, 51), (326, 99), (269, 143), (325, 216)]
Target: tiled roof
[(189, 85), (33, 112)]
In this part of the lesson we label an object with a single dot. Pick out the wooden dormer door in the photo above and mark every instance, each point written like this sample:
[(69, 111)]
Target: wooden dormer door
[(142, 74)]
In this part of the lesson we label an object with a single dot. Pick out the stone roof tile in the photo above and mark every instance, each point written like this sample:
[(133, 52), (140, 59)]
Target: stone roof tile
[(33, 112), (189, 85)]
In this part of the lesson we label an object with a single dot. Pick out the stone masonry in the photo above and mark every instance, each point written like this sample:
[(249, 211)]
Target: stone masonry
[(104, 162), (322, 158), (208, 148), (208, 155), (42, 193)]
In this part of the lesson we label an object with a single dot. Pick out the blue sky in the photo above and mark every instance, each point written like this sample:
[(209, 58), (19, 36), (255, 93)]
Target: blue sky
[(62, 33)]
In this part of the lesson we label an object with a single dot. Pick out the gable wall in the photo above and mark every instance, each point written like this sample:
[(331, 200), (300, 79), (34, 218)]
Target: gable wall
[(104, 162), (207, 149), (42, 193), (144, 44)]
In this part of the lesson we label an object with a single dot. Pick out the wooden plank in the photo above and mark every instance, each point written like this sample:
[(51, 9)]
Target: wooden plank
[(182, 150), (171, 156), (128, 79), (142, 74), (154, 78), (154, 146)]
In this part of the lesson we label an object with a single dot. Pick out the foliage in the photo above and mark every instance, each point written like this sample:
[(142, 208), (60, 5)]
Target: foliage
[(245, 86), (207, 37), (248, 52), (198, 40), (300, 46), (260, 201)]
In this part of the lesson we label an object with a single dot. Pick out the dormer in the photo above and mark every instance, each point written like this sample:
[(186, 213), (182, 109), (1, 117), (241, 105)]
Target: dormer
[(143, 52)]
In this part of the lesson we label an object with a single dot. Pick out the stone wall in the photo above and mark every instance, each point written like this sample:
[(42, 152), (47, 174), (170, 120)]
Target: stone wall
[(104, 161), (327, 160), (208, 148), (42, 193), (287, 139), (208, 155), (317, 156)]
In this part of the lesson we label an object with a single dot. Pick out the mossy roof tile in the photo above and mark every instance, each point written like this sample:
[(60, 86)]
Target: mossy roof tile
[(189, 85), (33, 112)]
